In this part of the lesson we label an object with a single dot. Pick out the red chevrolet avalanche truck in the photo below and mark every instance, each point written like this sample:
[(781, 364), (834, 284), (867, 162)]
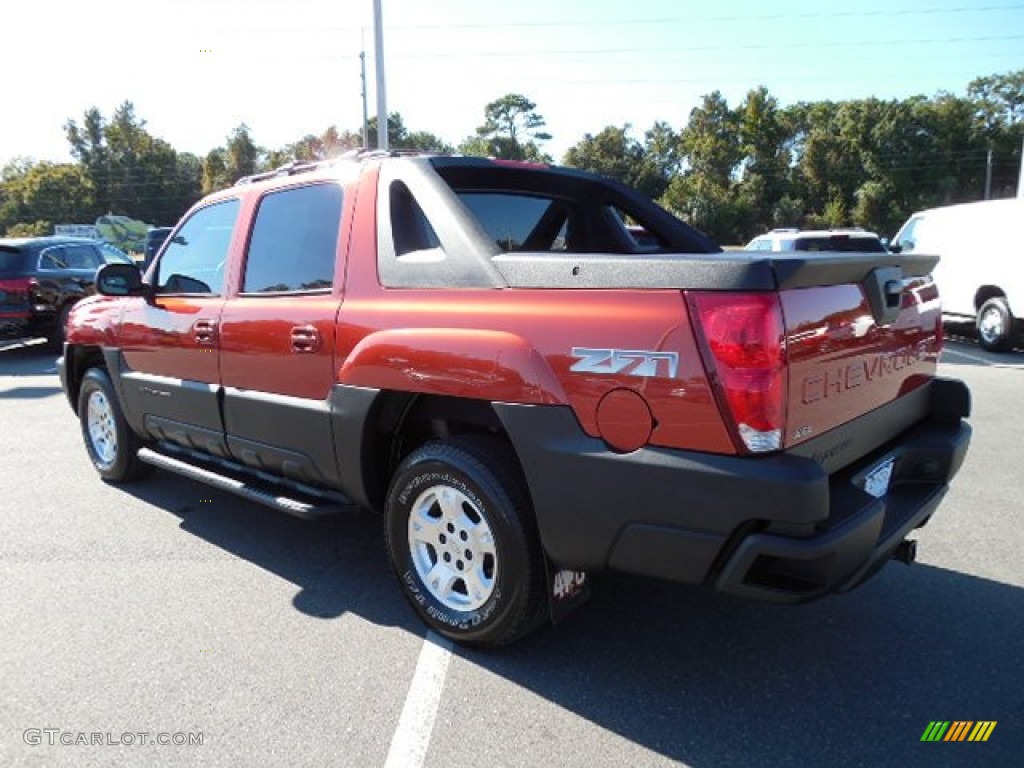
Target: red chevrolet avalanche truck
[(486, 353)]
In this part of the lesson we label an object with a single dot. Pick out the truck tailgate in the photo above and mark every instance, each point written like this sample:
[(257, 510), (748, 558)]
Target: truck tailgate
[(845, 362)]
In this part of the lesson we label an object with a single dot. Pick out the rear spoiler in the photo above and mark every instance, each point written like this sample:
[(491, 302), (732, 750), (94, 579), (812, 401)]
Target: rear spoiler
[(727, 271)]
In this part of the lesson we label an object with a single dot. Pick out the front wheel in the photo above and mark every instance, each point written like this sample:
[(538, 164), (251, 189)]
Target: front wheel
[(461, 536), (112, 446), (995, 325)]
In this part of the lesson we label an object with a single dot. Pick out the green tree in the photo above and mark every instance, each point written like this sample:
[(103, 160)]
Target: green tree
[(30, 229), (704, 194), (44, 194), (710, 206), (662, 150), (999, 105), (131, 172), (615, 154), (511, 131), (240, 156), (832, 216), (89, 147), (215, 171), (765, 139), (710, 142), (400, 137), (999, 99), (311, 148)]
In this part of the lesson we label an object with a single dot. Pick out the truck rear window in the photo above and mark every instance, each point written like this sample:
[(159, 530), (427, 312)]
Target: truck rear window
[(519, 222), (840, 243)]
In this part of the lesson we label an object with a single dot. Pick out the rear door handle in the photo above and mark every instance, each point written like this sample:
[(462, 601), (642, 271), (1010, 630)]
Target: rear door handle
[(205, 331), (305, 339)]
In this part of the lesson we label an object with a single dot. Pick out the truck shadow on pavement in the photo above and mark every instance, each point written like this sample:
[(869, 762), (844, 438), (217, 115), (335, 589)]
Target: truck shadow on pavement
[(339, 563), (850, 680), (689, 675)]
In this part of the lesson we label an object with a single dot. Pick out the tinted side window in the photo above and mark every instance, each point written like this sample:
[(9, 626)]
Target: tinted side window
[(54, 258), (294, 240), (194, 260), (410, 227), (83, 257)]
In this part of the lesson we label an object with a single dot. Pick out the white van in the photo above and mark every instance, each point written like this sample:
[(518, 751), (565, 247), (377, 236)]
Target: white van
[(981, 272)]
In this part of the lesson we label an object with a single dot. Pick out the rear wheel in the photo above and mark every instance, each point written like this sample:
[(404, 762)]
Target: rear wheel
[(461, 537), (995, 325), (112, 446)]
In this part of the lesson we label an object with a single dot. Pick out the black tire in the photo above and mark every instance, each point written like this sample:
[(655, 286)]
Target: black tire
[(995, 325), (59, 332), (482, 541), (112, 446)]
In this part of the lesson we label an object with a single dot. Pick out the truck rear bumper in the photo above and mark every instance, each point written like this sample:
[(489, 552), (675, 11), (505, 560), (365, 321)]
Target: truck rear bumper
[(779, 528), (863, 531)]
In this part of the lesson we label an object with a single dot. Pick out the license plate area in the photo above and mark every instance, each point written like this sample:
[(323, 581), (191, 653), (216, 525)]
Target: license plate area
[(876, 479)]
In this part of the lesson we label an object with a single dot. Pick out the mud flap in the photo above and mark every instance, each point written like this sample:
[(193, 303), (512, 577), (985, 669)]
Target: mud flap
[(567, 590)]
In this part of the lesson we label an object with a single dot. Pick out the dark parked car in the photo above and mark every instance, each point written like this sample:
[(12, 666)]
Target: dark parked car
[(42, 277), (154, 239)]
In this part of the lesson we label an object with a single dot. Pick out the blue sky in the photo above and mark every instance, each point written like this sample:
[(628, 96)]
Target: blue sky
[(197, 68)]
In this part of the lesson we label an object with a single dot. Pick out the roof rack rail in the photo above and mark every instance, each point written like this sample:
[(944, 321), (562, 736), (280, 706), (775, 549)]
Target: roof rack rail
[(289, 169), (360, 153)]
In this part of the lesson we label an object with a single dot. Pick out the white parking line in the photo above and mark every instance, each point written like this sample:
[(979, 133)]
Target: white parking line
[(20, 344), (412, 737), (979, 359), (958, 353)]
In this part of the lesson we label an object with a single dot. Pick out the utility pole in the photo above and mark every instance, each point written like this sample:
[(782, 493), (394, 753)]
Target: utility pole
[(1020, 177), (362, 77), (382, 100), (988, 174)]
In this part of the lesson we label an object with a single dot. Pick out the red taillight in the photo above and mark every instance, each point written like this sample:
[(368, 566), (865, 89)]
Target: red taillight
[(743, 342), (17, 290)]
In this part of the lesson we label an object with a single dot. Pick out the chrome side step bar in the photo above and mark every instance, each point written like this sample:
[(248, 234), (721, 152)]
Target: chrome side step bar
[(236, 482)]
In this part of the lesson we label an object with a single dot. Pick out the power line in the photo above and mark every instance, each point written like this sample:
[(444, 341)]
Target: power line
[(692, 19), (709, 48)]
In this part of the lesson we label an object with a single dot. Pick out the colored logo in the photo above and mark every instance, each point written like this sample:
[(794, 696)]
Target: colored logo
[(958, 730)]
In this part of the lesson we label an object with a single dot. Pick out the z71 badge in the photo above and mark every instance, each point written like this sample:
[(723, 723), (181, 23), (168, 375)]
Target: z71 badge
[(631, 362)]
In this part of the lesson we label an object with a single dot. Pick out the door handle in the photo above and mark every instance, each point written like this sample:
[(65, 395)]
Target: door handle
[(205, 331), (305, 339)]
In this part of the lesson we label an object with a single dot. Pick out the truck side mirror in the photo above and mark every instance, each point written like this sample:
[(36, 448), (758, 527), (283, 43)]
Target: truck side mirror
[(120, 280)]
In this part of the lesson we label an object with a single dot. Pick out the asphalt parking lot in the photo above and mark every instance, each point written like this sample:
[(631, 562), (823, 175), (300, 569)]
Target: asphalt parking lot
[(166, 609)]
